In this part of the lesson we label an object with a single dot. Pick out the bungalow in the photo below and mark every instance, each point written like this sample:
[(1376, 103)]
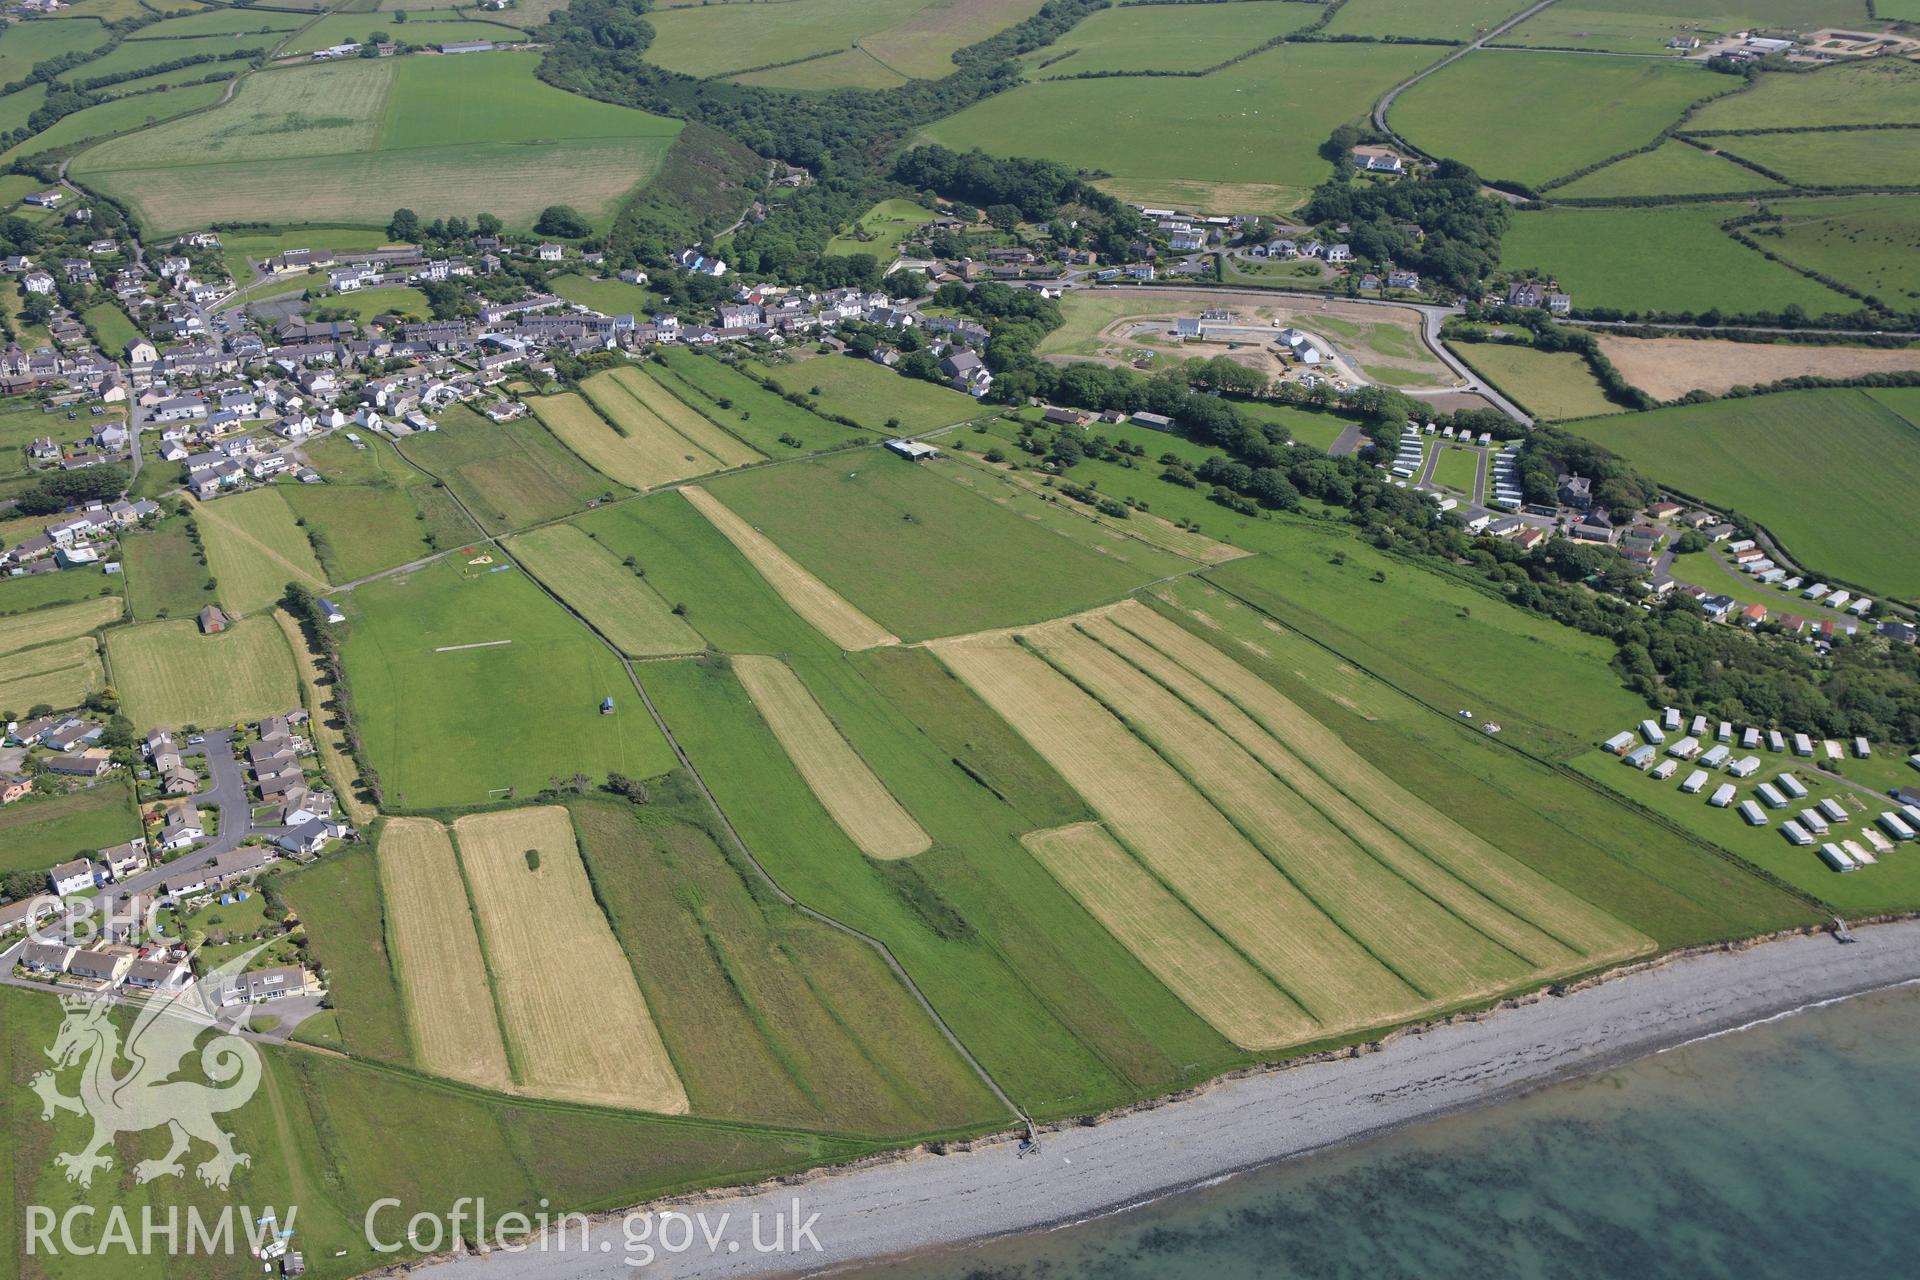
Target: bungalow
[(158, 972), (71, 877), (91, 763), (263, 985), (46, 957), (311, 836), (181, 828), (106, 966)]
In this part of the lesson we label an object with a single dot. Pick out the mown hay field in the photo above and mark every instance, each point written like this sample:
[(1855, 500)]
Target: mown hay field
[(871, 395), (809, 597), (169, 674), (61, 622), (577, 1025), (622, 436), (1831, 158), (59, 674), (1439, 19), (436, 955), (446, 724), (1668, 368), (1532, 117), (1179, 947), (753, 412), (634, 399), (834, 771), (1164, 38), (118, 116), (254, 549), (611, 596)]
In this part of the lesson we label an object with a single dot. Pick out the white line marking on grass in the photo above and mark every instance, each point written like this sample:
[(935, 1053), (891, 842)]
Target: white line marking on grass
[(484, 644)]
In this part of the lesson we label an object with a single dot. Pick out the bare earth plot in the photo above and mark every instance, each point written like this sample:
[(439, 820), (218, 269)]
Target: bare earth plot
[(811, 598), (1668, 368), (437, 955), (577, 1025), (835, 773)]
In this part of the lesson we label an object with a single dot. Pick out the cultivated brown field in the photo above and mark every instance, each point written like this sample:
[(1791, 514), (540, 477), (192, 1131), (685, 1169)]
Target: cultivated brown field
[(436, 955), (1195, 962), (577, 1025), (811, 598), (1668, 368), (835, 773)]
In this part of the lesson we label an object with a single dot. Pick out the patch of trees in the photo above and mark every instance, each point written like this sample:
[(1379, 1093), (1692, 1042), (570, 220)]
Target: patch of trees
[(1038, 189), (55, 491), (1547, 453), (324, 639), (1462, 226)]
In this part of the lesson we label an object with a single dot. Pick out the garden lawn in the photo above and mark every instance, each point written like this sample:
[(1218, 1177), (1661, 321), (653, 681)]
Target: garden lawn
[(110, 327), (1547, 384), (1669, 259), (448, 729), (921, 556), (1528, 117), (1831, 474), (881, 229), (874, 396)]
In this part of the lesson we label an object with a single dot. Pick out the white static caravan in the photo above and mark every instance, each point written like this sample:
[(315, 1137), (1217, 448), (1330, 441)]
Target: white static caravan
[(1774, 741), (1685, 749), (1640, 757), (1651, 732), (1670, 719), (1838, 600), (1802, 745), (1795, 833), (1894, 825), (1716, 757), (1753, 813), (1910, 814), (1745, 767), (1750, 740), (1664, 770), (1725, 733), (1814, 821), (1858, 853), (1770, 796), (1814, 592), (1836, 857), (1695, 780), (1833, 811), (1699, 727), (1914, 760), (1723, 796), (1862, 749), (1620, 743), (1792, 786)]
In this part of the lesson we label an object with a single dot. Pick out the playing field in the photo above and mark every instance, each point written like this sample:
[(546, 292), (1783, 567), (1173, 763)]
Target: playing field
[(509, 474), (1829, 473), (1179, 947), (1165, 38), (809, 597), (1673, 258), (62, 622), (614, 598), (1532, 117), (838, 777), (1670, 169), (350, 141), (1309, 852), (892, 42), (1871, 243), (59, 674), (1547, 384), (169, 674), (1864, 91), (436, 955), (1256, 125), (449, 725), (254, 549), (921, 556), (577, 1025)]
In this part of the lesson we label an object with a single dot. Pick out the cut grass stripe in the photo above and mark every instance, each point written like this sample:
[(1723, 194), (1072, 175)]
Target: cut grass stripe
[(1175, 944), (675, 414), (648, 455), (835, 773)]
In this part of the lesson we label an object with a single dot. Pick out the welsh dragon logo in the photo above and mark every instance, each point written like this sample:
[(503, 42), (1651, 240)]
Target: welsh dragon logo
[(148, 1095)]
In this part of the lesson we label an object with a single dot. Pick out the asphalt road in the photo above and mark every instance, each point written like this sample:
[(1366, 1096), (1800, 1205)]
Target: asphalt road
[(227, 792)]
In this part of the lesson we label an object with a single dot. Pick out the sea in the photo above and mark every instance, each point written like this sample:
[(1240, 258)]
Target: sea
[(1789, 1148)]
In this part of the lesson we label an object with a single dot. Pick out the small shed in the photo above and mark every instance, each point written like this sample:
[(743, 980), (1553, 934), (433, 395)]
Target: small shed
[(212, 620)]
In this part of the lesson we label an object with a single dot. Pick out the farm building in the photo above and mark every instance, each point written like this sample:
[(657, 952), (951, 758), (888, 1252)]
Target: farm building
[(1753, 813), (913, 450), (1836, 858), (1895, 826), (1795, 833), (1792, 786), (212, 621), (1695, 780), (1722, 795), (1834, 810)]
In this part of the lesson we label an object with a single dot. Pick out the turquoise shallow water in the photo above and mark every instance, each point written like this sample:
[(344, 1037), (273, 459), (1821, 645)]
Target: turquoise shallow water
[(1788, 1149)]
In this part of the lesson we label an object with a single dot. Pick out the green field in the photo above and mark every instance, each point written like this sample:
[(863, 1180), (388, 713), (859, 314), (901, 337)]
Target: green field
[(1669, 259), (747, 409), (448, 728), (220, 22), (1873, 91), (169, 674), (111, 327), (17, 107), (768, 1014), (1441, 19), (350, 141), (1530, 118), (1166, 37), (254, 548), (871, 394), (613, 297), (881, 229), (165, 578), (920, 556), (509, 475), (375, 511), (139, 55), (19, 595), (613, 597), (236, 247), (1644, 26), (1547, 384), (357, 28), (23, 44), (39, 831), (339, 901), (1838, 158), (1871, 243), (363, 305), (1457, 469), (1830, 473), (1255, 126), (1670, 169), (119, 116)]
